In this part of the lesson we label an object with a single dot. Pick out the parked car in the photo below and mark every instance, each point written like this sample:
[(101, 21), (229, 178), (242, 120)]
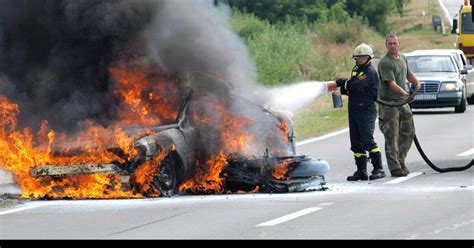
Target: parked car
[(443, 82), (463, 64)]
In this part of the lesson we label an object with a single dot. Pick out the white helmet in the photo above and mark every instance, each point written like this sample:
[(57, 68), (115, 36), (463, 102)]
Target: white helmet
[(363, 50)]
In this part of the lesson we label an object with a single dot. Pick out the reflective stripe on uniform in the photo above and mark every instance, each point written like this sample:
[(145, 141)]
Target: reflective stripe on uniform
[(355, 73), (375, 150), (358, 155)]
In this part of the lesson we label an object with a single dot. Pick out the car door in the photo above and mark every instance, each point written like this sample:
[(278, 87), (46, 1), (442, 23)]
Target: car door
[(469, 78)]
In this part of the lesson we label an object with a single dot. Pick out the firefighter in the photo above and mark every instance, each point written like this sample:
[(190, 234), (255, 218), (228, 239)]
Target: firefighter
[(362, 90)]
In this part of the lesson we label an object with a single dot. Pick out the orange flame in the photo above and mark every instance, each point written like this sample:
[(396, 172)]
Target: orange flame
[(144, 175), (149, 98), (231, 127), (280, 170), (207, 177), (20, 152)]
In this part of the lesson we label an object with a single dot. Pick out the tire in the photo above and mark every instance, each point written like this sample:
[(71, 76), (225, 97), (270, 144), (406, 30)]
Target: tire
[(167, 179), (462, 107)]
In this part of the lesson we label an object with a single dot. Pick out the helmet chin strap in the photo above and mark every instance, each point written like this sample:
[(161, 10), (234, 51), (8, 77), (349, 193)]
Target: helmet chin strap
[(365, 64)]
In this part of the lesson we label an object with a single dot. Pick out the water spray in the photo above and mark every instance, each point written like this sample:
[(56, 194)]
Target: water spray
[(296, 96)]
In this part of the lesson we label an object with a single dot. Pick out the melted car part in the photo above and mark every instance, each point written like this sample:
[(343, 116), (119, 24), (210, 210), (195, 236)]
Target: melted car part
[(303, 174), (76, 169)]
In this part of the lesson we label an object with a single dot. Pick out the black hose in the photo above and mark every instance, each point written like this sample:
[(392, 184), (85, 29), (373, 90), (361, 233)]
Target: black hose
[(434, 167), (408, 100), (418, 146)]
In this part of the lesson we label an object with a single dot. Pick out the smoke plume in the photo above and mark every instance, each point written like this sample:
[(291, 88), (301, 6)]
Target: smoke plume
[(55, 55)]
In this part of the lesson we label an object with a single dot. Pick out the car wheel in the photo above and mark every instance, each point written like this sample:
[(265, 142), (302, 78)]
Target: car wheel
[(462, 107), (166, 180)]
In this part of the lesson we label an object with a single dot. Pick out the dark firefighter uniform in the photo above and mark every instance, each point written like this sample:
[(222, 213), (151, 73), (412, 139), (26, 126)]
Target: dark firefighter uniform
[(362, 89)]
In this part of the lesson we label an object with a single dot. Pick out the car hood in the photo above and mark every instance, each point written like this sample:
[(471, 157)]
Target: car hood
[(436, 76)]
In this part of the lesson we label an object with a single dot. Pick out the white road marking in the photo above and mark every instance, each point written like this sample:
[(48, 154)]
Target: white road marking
[(401, 179), (324, 204), (322, 137), (467, 153), (288, 217), (24, 208)]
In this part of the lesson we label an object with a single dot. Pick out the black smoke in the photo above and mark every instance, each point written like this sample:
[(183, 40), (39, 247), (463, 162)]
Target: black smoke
[(55, 55)]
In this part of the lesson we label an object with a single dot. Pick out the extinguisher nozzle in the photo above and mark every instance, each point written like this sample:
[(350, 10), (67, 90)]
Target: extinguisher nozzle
[(331, 86)]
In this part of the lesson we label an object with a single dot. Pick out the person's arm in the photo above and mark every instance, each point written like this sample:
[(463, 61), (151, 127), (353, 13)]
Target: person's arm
[(412, 79), (397, 89)]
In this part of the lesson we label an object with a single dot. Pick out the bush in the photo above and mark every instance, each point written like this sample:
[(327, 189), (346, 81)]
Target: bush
[(351, 31), (284, 53), (299, 50)]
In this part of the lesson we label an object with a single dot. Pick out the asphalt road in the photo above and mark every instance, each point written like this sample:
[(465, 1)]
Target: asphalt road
[(424, 205)]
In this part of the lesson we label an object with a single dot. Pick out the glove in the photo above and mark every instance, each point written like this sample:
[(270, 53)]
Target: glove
[(340, 82)]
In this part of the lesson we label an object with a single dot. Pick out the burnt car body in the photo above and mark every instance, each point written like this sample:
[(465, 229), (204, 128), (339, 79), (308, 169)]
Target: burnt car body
[(191, 145)]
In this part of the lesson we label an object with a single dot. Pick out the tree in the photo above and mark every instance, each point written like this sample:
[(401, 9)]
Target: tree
[(278, 10), (400, 4), (375, 12)]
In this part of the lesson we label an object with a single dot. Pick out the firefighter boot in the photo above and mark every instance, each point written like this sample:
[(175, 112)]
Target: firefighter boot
[(376, 160), (361, 172)]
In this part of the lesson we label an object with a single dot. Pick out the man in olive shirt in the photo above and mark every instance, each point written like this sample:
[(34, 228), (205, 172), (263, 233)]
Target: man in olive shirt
[(396, 123)]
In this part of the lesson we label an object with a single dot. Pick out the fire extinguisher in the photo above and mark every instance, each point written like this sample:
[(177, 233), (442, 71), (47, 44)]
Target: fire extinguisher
[(336, 94)]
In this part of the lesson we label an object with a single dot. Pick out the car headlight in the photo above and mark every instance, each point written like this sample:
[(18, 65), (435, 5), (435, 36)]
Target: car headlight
[(450, 86)]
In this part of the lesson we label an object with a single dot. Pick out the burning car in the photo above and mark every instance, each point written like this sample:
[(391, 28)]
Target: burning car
[(151, 102), (168, 159)]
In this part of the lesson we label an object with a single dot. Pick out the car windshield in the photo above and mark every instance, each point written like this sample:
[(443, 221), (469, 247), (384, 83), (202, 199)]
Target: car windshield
[(430, 63)]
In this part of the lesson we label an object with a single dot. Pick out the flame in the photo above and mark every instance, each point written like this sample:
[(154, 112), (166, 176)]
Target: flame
[(230, 126), (207, 178), (20, 152), (255, 190), (148, 97), (283, 126), (233, 137), (144, 175), (280, 170)]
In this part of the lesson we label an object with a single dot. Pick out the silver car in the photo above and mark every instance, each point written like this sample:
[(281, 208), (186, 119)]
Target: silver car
[(443, 82)]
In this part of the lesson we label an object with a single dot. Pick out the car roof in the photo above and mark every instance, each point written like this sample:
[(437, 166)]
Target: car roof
[(434, 52)]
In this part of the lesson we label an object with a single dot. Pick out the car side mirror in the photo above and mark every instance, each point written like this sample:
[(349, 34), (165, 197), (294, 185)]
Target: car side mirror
[(468, 67), (455, 26), (464, 72)]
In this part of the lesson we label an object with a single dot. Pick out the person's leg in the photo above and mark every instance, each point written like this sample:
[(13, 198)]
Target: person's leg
[(389, 125), (407, 133), (367, 124), (359, 153)]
